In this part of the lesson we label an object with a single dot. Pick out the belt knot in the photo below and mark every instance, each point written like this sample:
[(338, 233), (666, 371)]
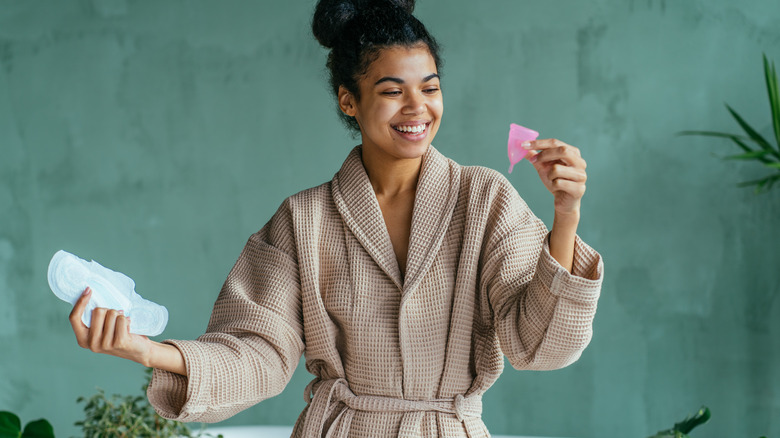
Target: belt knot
[(323, 397), (459, 403)]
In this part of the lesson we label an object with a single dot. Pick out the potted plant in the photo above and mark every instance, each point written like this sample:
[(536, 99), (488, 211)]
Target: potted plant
[(128, 416), (753, 145)]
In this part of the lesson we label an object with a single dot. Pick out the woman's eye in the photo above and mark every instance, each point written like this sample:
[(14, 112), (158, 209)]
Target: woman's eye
[(431, 90), (391, 93)]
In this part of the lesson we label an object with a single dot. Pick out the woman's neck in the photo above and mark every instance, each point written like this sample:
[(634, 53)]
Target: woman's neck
[(391, 176)]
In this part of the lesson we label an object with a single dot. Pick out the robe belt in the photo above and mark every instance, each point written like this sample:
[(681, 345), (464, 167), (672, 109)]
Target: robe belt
[(328, 394)]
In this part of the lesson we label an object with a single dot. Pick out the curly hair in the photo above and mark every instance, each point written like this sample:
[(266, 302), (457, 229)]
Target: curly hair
[(356, 31)]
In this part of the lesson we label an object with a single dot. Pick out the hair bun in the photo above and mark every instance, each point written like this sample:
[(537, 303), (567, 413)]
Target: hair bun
[(330, 16)]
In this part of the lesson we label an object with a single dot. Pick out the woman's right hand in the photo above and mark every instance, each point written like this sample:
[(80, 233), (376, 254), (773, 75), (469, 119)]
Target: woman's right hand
[(109, 332)]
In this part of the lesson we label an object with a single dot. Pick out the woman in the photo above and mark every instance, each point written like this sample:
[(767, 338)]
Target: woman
[(404, 280)]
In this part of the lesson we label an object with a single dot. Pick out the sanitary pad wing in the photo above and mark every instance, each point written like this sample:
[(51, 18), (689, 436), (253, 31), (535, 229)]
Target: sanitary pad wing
[(69, 276)]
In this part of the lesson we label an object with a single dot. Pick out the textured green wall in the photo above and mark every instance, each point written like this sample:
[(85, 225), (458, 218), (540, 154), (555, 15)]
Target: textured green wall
[(155, 136)]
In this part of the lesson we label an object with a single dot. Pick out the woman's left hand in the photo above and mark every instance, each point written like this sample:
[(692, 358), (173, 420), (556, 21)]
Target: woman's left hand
[(562, 171)]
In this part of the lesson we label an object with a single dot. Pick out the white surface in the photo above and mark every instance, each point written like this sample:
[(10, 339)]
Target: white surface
[(251, 431), (280, 432)]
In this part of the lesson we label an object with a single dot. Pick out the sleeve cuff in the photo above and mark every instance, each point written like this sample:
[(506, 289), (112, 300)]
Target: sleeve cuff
[(583, 283), (178, 397)]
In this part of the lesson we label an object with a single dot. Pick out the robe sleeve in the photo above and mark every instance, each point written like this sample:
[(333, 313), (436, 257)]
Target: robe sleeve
[(254, 338), (542, 313)]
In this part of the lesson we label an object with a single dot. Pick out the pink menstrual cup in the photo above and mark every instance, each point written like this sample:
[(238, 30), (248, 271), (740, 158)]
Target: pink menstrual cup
[(517, 135)]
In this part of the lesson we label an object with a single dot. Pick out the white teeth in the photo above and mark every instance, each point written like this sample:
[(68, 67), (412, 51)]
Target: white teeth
[(411, 129)]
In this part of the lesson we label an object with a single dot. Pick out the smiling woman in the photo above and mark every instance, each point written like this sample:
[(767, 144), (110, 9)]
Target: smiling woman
[(398, 112), (405, 280), (400, 104)]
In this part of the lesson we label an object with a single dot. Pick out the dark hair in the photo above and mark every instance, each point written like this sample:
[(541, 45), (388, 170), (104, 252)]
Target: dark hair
[(357, 30)]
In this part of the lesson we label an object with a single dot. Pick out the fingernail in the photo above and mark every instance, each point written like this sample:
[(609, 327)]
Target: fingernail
[(532, 159), (88, 291), (121, 312), (526, 145)]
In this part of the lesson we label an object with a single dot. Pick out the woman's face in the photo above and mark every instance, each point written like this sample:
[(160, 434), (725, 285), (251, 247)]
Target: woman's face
[(400, 104)]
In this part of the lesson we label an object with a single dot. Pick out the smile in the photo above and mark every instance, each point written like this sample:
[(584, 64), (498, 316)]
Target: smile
[(411, 129)]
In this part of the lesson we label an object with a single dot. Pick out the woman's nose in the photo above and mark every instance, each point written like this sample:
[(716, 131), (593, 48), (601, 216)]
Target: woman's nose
[(415, 104)]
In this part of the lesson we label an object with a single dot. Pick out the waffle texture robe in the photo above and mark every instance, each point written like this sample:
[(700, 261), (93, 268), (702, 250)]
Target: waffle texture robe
[(393, 355)]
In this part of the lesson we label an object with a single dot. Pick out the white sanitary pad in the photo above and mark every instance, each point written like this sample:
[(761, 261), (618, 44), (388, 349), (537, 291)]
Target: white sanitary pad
[(70, 275)]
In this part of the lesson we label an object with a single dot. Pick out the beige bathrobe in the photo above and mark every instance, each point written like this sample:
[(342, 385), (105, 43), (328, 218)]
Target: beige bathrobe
[(393, 355)]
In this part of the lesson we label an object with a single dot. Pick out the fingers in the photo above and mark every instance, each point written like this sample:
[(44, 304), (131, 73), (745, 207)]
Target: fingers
[(546, 143), (108, 333), (108, 327), (557, 160), (558, 177), (574, 189), (95, 337), (109, 324), (122, 330), (79, 329), (548, 150), (108, 330), (81, 304), (561, 169)]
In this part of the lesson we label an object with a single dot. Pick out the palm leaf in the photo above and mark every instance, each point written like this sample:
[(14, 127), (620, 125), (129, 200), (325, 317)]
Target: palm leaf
[(767, 181), (712, 134), (752, 155), (738, 139), (766, 153), (752, 133), (774, 97)]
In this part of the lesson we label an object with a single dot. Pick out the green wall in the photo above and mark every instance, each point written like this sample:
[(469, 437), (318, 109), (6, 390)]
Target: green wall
[(155, 136)]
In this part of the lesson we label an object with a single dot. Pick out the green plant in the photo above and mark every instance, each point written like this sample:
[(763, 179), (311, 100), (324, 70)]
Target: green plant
[(127, 416), (11, 427), (753, 145), (681, 429)]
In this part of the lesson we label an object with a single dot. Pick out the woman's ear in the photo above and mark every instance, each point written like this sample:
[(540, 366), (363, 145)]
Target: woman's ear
[(347, 102)]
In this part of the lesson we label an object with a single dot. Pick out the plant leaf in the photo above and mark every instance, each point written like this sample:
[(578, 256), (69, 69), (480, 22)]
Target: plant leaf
[(38, 429), (10, 425), (687, 425), (711, 134), (752, 155), (774, 97), (773, 165), (761, 182), (736, 138), (752, 133)]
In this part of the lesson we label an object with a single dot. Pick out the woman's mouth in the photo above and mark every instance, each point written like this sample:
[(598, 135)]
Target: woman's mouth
[(412, 131)]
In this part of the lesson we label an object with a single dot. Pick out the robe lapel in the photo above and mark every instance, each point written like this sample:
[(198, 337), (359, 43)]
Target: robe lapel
[(437, 194), (355, 199)]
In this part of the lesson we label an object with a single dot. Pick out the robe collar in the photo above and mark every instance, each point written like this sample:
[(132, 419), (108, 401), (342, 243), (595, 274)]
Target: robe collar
[(435, 199)]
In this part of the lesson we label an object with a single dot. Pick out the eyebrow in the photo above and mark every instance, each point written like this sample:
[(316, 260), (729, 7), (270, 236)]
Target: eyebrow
[(401, 81)]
